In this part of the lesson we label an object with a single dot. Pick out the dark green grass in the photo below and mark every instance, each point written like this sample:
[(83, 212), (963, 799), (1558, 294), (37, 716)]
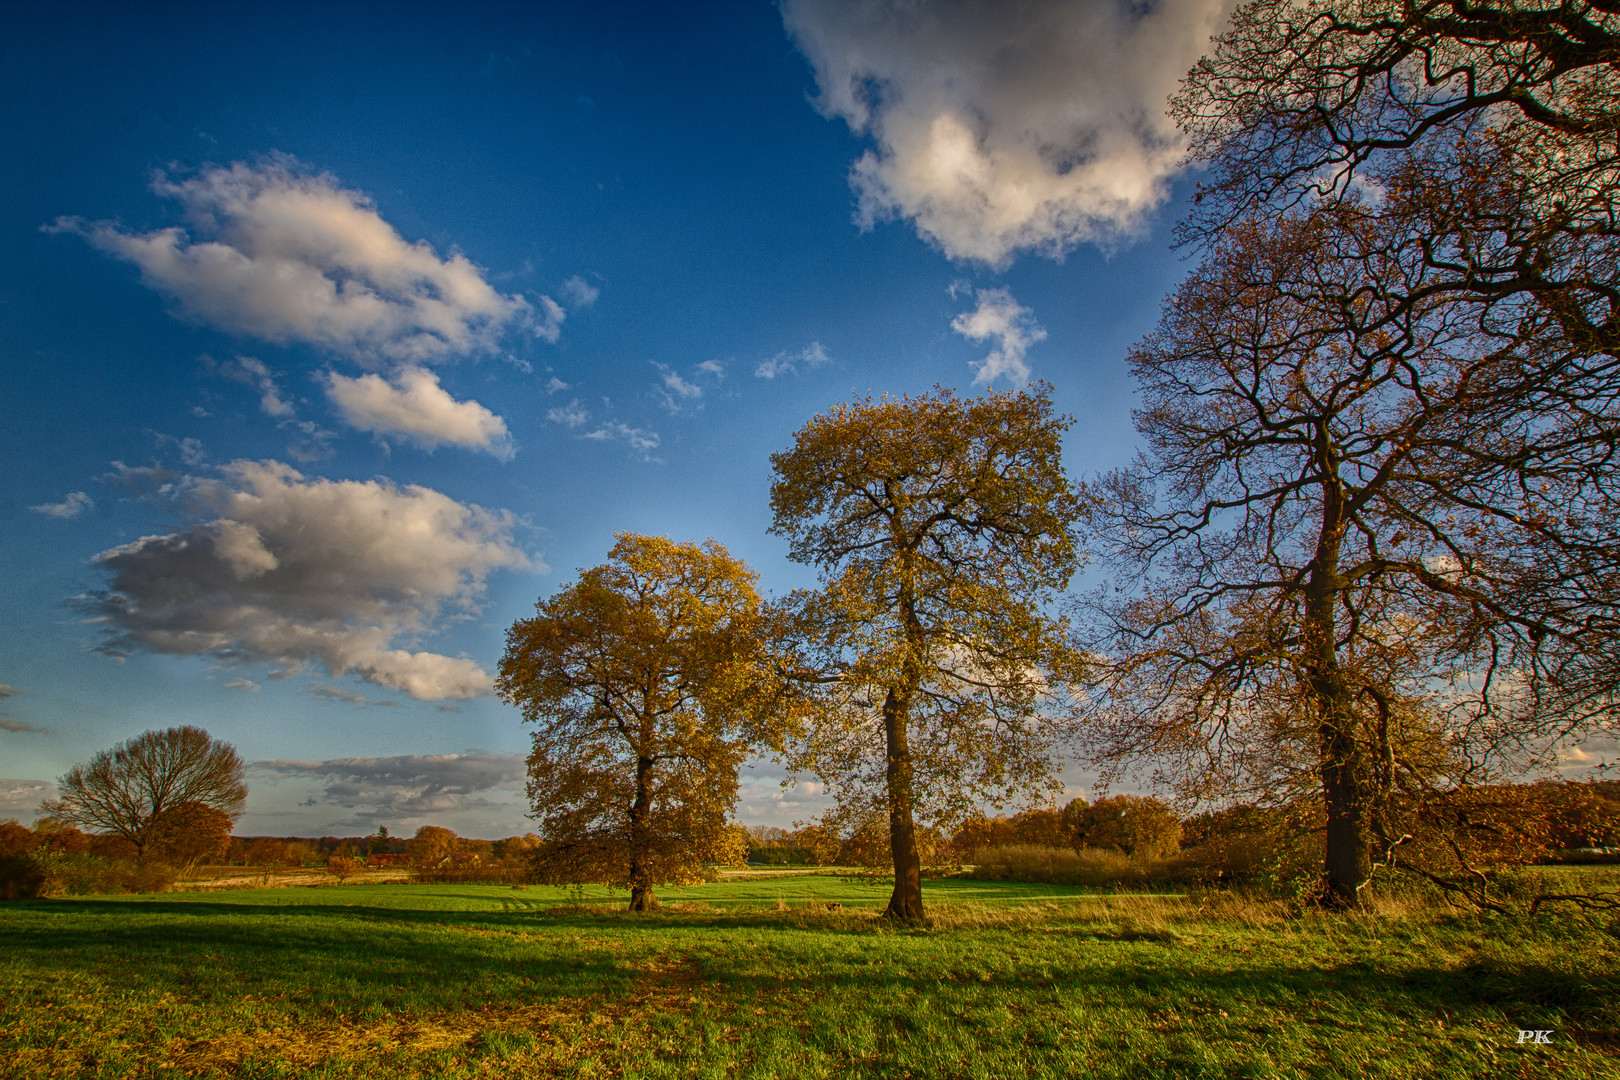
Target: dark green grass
[(760, 978)]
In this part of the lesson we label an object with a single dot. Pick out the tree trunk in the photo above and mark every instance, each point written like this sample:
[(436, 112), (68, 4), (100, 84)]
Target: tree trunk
[(1346, 860), (641, 886), (906, 902)]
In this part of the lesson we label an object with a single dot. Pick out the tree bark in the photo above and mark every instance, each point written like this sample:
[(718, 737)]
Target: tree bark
[(906, 902), (1346, 860), (641, 890)]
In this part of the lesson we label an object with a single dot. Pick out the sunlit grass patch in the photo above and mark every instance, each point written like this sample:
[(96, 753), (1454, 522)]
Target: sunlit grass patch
[(759, 979)]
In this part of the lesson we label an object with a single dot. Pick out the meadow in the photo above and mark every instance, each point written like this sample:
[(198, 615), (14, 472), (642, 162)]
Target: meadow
[(792, 975)]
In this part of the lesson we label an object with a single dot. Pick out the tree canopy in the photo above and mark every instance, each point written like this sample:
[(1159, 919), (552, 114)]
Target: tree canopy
[(943, 529), (642, 680), (1371, 550), (151, 789)]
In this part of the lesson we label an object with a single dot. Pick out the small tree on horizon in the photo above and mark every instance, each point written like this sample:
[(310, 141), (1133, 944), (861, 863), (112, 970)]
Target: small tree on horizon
[(146, 789)]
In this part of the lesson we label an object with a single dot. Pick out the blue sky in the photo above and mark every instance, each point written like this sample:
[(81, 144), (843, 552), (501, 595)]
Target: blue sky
[(334, 337)]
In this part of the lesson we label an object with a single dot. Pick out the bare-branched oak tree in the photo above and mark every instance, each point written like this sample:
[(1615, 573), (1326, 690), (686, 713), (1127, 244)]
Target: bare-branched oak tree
[(1355, 531), (156, 790), (1375, 527), (943, 528), (643, 680)]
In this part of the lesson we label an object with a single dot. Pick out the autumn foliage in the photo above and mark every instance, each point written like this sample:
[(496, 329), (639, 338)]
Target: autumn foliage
[(942, 529), (642, 680)]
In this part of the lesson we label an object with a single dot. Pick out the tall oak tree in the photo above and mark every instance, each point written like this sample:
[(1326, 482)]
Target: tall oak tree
[(641, 680), (943, 529)]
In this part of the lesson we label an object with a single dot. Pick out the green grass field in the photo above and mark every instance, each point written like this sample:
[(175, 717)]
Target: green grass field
[(759, 978)]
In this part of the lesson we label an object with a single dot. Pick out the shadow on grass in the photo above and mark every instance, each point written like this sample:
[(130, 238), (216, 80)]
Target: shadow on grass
[(375, 951)]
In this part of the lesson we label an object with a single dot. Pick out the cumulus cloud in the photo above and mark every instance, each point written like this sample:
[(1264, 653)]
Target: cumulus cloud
[(579, 293), (1013, 328), (278, 254), (410, 404), (1591, 756), (555, 385), (292, 571), (1006, 125), (76, 503), (789, 363), (410, 787)]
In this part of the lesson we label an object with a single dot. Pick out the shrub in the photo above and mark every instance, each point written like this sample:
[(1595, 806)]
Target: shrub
[(1276, 850), (344, 867), (1137, 825), (21, 877), (781, 855), (1057, 866), (83, 874), (465, 868), (16, 838)]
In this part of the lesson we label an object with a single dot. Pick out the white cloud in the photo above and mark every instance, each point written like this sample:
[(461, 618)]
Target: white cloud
[(641, 440), (579, 293), (76, 503), (191, 450), (1589, 757), (789, 363), (762, 799), (411, 788), (1014, 329), (291, 571), (548, 320), (412, 405), (247, 685), (571, 415), (1006, 125), (21, 798), (713, 367), (555, 385), (278, 254), (675, 393), (253, 372)]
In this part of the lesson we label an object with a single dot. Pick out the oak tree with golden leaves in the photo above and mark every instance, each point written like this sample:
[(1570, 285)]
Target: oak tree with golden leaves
[(943, 529), (641, 679)]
